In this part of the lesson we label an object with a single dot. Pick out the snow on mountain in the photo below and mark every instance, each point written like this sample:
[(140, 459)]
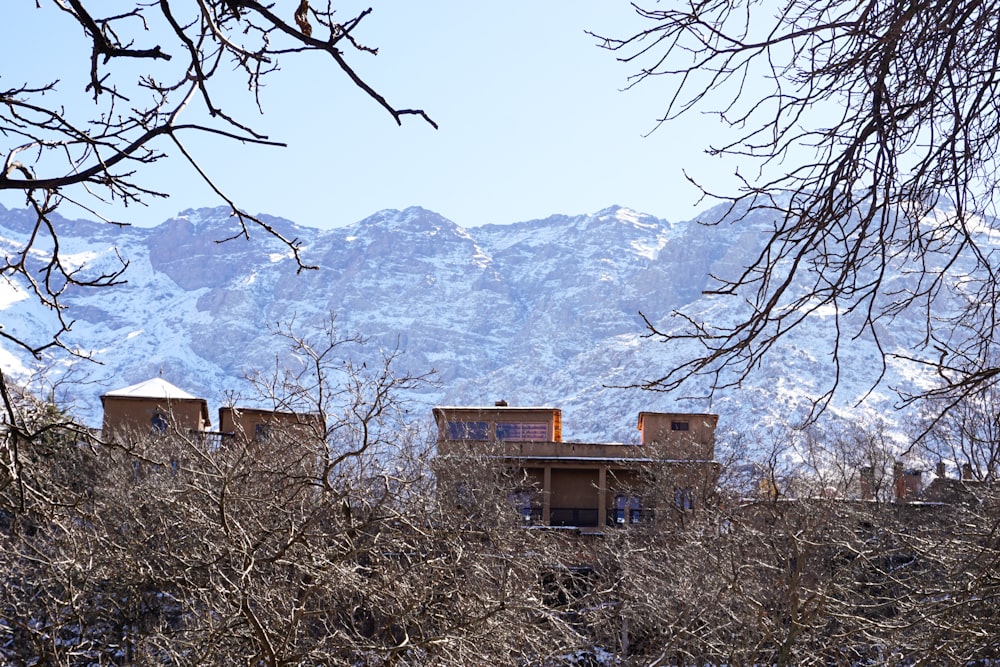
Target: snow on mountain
[(536, 312)]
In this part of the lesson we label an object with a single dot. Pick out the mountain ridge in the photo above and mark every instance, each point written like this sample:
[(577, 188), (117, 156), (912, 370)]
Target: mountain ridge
[(547, 311)]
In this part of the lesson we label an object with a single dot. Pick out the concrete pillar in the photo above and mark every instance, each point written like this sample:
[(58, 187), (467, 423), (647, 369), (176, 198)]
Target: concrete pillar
[(867, 480), (602, 497), (546, 494)]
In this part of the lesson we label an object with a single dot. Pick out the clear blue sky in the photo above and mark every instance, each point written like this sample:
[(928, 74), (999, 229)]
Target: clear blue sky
[(532, 119)]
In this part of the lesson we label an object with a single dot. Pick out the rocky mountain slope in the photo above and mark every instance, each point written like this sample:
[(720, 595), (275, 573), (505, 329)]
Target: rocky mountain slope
[(537, 312)]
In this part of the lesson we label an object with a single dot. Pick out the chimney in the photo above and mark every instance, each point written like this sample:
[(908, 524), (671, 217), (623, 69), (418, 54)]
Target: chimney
[(941, 471), (867, 480), (967, 475), (906, 483)]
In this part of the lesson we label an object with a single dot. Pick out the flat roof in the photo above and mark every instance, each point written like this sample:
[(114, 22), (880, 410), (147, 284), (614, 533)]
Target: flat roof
[(267, 411), (494, 407)]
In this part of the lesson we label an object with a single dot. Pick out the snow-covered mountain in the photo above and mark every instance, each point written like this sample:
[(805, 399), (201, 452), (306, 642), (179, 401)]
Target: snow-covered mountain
[(538, 312)]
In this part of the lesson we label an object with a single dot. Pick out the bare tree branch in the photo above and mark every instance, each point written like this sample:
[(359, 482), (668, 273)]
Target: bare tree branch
[(50, 155), (860, 123)]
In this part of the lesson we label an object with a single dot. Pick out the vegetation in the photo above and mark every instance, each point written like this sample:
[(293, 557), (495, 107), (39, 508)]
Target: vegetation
[(850, 123), (349, 543), (313, 545)]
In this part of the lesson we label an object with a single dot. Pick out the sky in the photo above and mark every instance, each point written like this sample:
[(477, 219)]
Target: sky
[(533, 121)]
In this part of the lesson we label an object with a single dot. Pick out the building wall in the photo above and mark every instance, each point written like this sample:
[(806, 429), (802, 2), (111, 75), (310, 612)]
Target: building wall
[(143, 416), (502, 423), (290, 442), (575, 487), (255, 424), (682, 436)]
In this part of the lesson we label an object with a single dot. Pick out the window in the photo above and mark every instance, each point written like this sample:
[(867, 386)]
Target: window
[(158, 423), (523, 431), (468, 430), (524, 502), (628, 509), (463, 496), (684, 498), (679, 426), (261, 432)]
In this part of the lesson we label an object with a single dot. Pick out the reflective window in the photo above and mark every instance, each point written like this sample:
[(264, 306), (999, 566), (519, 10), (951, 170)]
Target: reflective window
[(684, 498), (522, 431), (468, 430), (158, 423), (628, 509)]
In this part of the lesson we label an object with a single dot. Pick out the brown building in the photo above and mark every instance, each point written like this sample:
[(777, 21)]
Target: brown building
[(290, 442), (154, 406), (588, 485), (158, 407), (258, 425)]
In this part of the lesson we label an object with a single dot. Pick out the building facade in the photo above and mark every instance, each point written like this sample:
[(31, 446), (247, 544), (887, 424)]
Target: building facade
[(152, 407), (260, 425), (590, 486), (157, 407)]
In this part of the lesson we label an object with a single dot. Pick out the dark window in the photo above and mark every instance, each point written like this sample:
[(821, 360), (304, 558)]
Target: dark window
[(468, 430), (463, 496), (261, 432), (522, 431), (584, 517), (679, 426), (524, 502), (628, 509), (158, 423), (684, 498)]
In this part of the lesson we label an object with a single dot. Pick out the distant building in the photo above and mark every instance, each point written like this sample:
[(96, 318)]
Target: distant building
[(259, 425), (290, 442), (152, 407), (587, 485), (156, 407)]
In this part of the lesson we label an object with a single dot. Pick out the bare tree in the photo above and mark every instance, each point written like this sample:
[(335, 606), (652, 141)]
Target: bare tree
[(155, 75), (343, 545), (967, 434), (806, 576), (850, 122), (41, 463), (309, 546)]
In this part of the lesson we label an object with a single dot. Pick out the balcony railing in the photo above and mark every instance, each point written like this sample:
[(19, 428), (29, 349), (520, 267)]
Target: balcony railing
[(585, 517), (213, 440), (531, 516), (629, 516)]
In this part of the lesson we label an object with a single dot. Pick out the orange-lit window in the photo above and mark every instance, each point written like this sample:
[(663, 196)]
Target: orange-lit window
[(522, 431)]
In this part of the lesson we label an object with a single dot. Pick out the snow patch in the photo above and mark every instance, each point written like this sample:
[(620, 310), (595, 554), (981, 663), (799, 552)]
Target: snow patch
[(78, 260), (10, 294)]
